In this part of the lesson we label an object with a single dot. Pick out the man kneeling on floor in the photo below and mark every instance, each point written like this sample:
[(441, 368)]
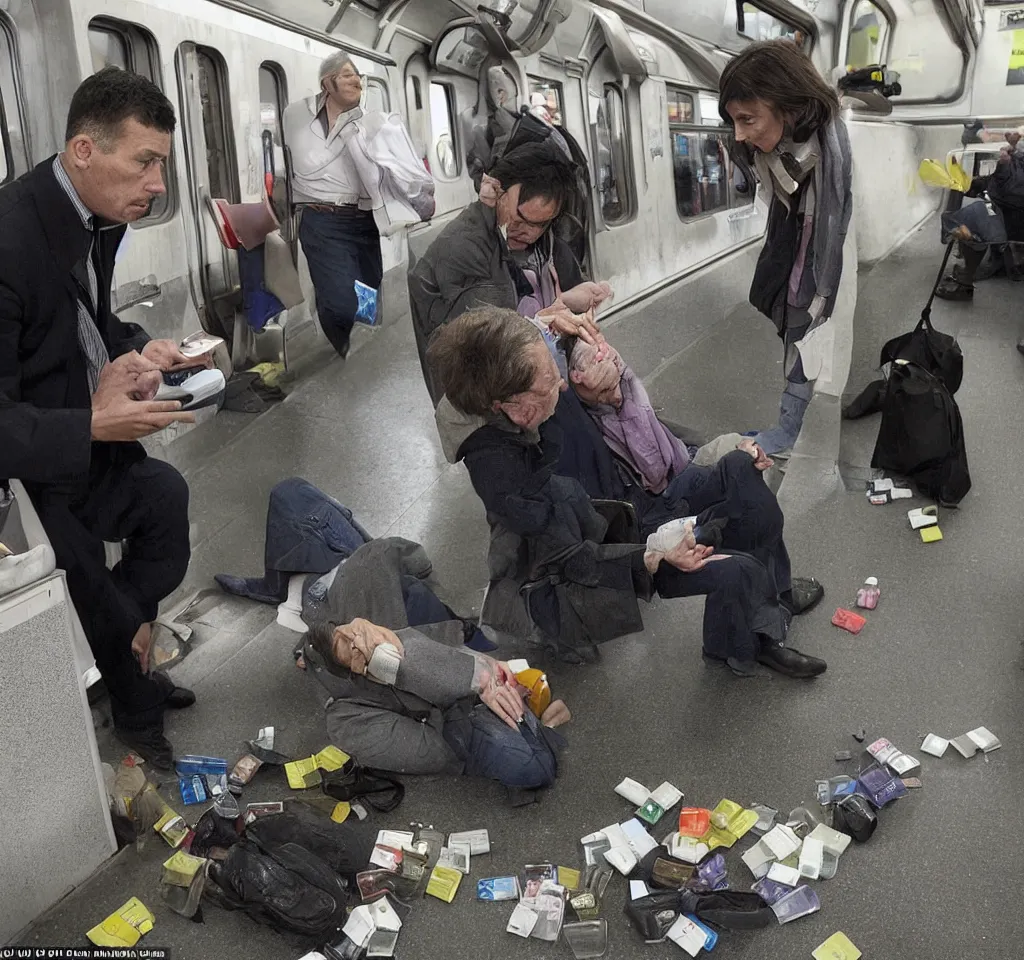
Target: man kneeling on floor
[(403, 702)]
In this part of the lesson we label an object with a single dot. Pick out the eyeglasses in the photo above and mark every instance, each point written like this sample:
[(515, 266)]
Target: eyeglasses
[(518, 217)]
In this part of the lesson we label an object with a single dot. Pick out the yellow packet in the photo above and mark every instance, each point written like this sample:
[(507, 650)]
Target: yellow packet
[(172, 828), (931, 534), (934, 174), (444, 883), (569, 878), (837, 947), (302, 774), (331, 759), (341, 811), (181, 868), (737, 821), (124, 927)]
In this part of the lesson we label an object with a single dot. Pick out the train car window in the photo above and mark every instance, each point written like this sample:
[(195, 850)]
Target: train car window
[(869, 31), (442, 130), (119, 43), (108, 49), (546, 100), (377, 96), (705, 178), (213, 86), (756, 24), (611, 142), (13, 155), (273, 98)]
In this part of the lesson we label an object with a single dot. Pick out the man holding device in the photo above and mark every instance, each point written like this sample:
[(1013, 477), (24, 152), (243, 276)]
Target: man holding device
[(78, 388)]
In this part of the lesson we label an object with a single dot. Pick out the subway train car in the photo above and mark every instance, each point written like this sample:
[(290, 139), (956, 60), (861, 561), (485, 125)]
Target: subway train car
[(635, 83), (675, 227)]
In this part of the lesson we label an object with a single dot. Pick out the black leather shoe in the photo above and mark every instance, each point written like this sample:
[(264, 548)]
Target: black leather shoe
[(180, 698), (804, 594), (791, 662), (150, 744)]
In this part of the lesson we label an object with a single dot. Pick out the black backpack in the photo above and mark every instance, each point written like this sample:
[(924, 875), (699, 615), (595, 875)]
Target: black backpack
[(922, 434), (274, 875)]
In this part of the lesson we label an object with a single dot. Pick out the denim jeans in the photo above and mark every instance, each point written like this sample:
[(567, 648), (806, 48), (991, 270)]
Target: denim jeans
[(340, 248)]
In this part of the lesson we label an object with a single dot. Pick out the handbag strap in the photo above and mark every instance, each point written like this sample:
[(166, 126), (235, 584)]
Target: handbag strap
[(926, 313)]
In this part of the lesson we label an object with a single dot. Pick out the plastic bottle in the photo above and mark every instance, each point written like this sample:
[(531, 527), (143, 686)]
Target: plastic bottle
[(867, 596)]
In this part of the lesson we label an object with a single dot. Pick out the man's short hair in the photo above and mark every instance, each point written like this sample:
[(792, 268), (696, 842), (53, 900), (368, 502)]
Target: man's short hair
[(540, 169), (334, 63), (481, 358), (104, 101)]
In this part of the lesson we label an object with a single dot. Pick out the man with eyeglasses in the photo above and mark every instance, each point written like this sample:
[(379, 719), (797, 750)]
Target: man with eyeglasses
[(337, 230)]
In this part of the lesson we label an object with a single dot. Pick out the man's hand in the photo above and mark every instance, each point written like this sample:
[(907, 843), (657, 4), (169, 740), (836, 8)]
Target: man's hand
[(761, 460), (122, 406), (687, 557), (142, 644), (360, 638), (502, 697), (167, 356), (565, 323), (586, 296)]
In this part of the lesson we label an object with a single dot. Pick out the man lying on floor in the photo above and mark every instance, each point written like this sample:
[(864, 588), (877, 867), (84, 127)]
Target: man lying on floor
[(405, 703), (502, 385)]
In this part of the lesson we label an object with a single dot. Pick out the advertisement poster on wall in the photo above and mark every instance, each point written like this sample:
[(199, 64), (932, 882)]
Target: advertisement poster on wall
[(1015, 71)]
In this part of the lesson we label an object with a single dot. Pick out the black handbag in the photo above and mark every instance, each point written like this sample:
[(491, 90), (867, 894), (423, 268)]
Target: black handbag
[(936, 352), (352, 782)]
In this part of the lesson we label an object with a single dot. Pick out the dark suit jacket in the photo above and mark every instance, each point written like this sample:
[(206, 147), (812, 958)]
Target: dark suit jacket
[(45, 404)]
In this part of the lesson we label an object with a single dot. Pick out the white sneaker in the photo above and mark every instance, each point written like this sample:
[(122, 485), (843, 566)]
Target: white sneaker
[(20, 569)]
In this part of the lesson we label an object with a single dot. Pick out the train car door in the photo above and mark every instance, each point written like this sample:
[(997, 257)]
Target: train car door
[(212, 173)]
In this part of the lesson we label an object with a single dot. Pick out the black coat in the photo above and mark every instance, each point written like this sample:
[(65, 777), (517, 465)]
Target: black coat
[(45, 403)]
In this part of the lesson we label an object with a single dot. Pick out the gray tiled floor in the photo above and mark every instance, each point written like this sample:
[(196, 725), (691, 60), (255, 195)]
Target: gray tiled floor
[(941, 653)]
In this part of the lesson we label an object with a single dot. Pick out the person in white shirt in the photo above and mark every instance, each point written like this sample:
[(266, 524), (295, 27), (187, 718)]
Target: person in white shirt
[(337, 229)]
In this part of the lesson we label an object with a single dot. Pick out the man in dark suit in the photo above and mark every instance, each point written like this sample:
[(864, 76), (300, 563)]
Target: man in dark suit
[(77, 388)]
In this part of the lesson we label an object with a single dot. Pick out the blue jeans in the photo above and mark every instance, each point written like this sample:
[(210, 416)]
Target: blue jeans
[(489, 748), (340, 248)]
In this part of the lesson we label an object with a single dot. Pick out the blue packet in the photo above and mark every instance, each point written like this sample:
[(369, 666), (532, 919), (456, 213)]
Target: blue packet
[(796, 904), (193, 789), (366, 298), (498, 888), (710, 937), (711, 875), (190, 764), (879, 786), (771, 891)]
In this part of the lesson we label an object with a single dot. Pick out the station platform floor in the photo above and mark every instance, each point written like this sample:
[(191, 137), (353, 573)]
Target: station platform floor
[(941, 654)]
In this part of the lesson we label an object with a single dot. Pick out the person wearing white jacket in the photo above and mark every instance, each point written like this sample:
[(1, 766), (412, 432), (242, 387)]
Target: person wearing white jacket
[(352, 174)]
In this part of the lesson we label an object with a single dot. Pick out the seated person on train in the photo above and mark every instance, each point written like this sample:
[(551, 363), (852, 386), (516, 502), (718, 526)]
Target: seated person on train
[(650, 447), (502, 387), (405, 703), (501, 251)]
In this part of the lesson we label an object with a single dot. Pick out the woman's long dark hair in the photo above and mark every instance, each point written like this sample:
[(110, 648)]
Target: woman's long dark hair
[(778, 72)]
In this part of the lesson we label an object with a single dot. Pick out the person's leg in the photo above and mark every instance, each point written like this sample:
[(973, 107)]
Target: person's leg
[(110, 620), (743, 621), (960, 286), (371, 262), (795, 398), (490, 748), (147, 507), (333, 259), (734, 490)]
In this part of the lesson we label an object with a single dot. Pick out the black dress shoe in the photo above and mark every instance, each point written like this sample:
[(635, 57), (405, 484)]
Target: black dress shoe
[(790, 662), (150, 744), (804, 594), (180, 698)]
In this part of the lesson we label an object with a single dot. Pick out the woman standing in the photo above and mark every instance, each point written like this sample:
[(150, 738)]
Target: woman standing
[(786, 120)]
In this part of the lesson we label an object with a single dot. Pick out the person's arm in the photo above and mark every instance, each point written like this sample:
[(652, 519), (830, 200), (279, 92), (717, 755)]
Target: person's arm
[(43, 446), (510, 491)]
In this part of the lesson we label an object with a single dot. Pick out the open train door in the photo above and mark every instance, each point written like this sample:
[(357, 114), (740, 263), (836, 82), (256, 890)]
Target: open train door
[(212, 173)]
